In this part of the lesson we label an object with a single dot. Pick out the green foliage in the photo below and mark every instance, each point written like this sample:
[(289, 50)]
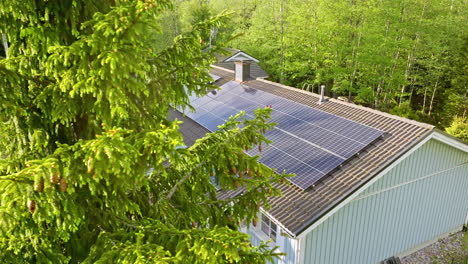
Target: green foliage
[(384, 53), (459, 128), (404, 110), (453, 250), (91, 169)]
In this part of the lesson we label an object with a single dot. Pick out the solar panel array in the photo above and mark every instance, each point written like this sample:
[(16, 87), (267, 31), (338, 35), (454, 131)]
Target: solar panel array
[(307, 142)]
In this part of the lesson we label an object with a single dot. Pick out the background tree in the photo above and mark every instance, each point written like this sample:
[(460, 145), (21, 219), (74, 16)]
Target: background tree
[(407, 57), (459, 128), (91, 169)]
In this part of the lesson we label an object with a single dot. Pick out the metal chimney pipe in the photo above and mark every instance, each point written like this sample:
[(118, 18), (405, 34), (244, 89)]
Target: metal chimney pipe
[(322, 94)]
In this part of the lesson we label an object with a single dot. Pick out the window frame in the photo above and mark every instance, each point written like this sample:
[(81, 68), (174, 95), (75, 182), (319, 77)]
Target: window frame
[(268, 227)]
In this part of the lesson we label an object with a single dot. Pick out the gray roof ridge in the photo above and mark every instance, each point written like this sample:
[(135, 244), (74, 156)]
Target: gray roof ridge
[(368, 109)]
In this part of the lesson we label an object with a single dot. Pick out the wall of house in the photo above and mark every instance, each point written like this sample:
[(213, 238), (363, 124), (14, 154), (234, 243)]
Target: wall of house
[(422, 197), (285, 243)]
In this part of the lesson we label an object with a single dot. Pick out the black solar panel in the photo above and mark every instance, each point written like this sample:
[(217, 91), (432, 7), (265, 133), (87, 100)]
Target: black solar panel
[(308, 142)]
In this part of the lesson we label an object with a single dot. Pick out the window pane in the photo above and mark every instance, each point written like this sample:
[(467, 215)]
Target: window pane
[(265, 229), (265, 219), (273, 226)]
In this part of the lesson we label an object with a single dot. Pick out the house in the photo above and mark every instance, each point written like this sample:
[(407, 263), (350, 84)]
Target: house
[(404, 187)]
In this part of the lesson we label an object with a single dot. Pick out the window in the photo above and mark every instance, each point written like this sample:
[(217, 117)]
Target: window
[(268, 227)]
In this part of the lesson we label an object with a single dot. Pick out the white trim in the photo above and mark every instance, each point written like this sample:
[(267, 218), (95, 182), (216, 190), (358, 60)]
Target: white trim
[(221, 68), (300, 252), (257, 230), (434, 135), (410, 182), (278, 223), (238, 54), (268, 226), (450, 141)]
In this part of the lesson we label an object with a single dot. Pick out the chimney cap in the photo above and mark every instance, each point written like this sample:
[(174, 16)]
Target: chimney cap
[(241, 56)]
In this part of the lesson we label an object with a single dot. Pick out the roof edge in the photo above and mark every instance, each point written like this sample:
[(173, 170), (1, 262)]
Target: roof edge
[(450, 140), (309, 225), (240, 52), (368, 109), (221, 68)]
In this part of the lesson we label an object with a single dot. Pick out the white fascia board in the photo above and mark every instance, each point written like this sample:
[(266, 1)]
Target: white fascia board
[(364, 187), (236, 56), (450, 140)]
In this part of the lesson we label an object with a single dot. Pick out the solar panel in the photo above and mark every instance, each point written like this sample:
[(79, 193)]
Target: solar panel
[(307, 142)]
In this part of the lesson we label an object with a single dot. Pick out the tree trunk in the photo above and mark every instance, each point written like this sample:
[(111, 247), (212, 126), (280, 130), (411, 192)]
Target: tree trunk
[(382, 79), (411, 56), (282, 40), (355, 64), (424, 101), (433, 96), (466, 107), (407, 70), (377, 94), (5, 44), (397, 55), (412, 88)]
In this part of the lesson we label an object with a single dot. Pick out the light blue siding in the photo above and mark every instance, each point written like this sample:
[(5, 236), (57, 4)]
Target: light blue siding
[(424, 196), (286, 245), (254, 239)]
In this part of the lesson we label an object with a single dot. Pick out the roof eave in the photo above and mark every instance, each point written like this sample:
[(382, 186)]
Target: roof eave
[(450, 139), (303, 229), (240, 53)]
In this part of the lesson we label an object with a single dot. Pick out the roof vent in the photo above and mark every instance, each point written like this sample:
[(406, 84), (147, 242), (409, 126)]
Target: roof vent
[(322, 94), (242, 72)]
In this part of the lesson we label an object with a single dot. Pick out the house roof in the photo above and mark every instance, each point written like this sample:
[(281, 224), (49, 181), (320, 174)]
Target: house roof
[(297, 209), (227, 62)]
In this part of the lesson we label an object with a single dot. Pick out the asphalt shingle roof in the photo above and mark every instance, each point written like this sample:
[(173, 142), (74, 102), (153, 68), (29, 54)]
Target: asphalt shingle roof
[(297, 209)]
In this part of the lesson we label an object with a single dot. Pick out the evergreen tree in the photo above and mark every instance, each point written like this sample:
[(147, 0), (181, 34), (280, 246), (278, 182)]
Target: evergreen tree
[(91, 169)]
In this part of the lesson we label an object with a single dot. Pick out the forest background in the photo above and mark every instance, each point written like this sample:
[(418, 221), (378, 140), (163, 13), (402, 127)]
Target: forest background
[(405, 57)]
